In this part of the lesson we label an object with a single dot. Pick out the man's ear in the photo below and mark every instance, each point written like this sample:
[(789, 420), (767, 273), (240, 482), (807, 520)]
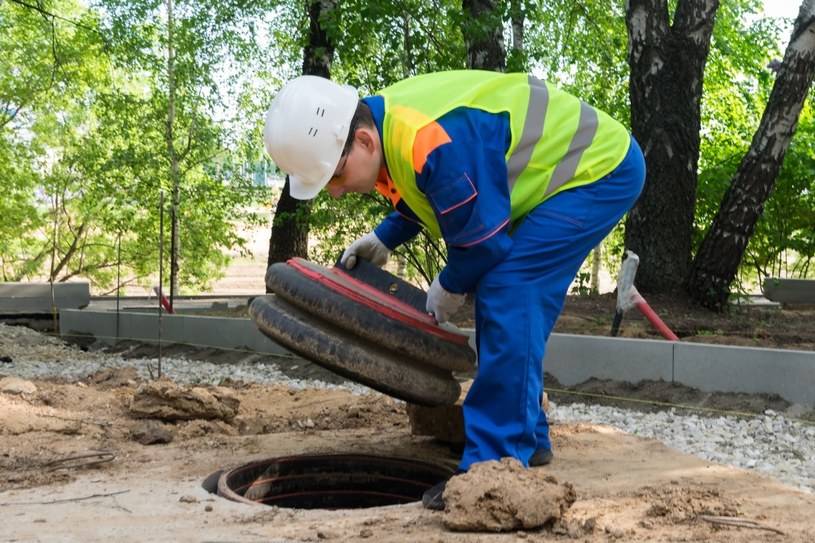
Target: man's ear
[(366, 137)]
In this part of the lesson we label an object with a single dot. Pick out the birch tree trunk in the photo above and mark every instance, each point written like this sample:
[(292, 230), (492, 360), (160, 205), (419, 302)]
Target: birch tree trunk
[(175, 194), (484, 34), (667, 69), (721, 252)]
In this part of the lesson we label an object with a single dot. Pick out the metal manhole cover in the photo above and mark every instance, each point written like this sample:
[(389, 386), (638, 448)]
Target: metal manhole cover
[(362, 331)]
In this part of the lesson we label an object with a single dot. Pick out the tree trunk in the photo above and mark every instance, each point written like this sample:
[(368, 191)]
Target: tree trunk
[(517, 57), (484, 33), (517, 27), (721, 252), (667, 69), (175, 194), (290, 228), (596, 257)]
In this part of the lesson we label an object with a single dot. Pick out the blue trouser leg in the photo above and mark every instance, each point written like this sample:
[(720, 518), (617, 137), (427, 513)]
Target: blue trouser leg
[(518, 302)]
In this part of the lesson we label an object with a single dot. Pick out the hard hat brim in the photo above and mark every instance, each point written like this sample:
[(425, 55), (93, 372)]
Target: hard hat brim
[(302, 191)]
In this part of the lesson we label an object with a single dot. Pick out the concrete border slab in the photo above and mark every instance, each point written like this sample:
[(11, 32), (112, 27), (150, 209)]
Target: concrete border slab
[(217, 332), (573, 359), (38, 297), (790, 374)]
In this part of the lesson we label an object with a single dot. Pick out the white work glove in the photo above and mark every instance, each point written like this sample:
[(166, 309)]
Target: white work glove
[(441, 303), (368, 247)]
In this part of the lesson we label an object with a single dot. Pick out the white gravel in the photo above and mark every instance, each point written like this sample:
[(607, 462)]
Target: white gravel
[(772, 444)]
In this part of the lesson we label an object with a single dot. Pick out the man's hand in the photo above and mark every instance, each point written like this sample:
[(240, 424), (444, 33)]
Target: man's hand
[(441, 303), (368, 247)]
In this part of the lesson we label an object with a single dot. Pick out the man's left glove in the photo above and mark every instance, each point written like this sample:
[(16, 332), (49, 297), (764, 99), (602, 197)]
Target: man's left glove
[(441, 303), (368, 247)]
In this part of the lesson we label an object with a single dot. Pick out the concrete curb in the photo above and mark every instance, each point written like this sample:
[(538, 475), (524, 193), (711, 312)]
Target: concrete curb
[(43, 297), (195, 330), (571, 359)]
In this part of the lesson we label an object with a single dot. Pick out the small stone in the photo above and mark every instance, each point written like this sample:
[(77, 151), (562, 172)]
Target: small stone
[(590, 525), (14, 385), (616, 533), (150, 433)]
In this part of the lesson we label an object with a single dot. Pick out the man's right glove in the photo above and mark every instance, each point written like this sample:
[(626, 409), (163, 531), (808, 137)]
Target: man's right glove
[(442, 304), (368, 247)]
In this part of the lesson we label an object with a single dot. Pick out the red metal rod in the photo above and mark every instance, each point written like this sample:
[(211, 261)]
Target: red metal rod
[(164, 301), (654, 319)]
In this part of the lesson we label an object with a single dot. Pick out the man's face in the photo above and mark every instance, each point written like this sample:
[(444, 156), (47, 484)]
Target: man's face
[(358, 169)]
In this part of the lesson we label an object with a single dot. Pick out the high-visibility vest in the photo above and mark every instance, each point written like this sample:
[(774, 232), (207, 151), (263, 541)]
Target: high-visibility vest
[(558, 141)]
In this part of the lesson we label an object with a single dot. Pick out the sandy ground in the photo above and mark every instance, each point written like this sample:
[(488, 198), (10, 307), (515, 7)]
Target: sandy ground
[(623, 488), (149, 476)]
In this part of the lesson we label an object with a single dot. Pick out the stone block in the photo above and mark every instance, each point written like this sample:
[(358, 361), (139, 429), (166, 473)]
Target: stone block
[(445, 423)]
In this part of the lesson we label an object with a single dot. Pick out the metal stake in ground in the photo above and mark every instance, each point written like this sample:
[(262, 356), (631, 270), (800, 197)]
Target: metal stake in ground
[(628, 297)]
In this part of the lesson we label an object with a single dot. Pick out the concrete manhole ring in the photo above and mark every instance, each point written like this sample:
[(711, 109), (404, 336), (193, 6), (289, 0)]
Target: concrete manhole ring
[(330, 481)]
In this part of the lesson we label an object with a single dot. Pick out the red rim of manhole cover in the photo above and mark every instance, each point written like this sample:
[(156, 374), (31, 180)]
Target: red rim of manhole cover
[(390, 306)]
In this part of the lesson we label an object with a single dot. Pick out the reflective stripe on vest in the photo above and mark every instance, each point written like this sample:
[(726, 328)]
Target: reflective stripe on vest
[(533, 130), (558, 141)]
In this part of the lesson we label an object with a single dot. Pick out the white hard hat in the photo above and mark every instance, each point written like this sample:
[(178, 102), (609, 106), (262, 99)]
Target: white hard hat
[(305, 131)]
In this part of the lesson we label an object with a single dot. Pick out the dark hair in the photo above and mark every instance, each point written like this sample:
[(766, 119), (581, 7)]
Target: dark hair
[(362, 117)]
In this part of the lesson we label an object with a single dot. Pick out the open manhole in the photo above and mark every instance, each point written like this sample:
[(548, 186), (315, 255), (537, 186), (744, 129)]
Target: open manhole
[(340, 481)]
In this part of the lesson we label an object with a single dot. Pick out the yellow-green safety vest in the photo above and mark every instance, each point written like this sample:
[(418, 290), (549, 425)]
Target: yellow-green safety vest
[(558, 141)]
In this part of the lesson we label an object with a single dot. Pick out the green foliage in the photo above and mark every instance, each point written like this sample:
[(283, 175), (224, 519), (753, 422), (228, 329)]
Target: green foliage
[(581, 47), (87, 158), (379, 43), (18, 211), (85, 155), (582, 287)]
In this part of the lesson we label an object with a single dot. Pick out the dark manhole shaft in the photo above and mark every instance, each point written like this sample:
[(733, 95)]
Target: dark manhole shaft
[(329, 481)]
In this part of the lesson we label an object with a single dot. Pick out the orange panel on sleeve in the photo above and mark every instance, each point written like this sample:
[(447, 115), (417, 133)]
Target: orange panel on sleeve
[(427, 140)]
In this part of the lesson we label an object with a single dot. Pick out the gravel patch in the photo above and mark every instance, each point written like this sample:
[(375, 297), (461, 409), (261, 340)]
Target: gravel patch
[(771, 444), (180, 370)]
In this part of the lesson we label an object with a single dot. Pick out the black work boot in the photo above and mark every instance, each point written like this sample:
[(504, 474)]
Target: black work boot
[(541, 457), (432, 499)]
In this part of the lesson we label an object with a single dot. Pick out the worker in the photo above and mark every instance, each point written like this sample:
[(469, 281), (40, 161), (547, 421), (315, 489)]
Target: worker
[(519, 178)]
